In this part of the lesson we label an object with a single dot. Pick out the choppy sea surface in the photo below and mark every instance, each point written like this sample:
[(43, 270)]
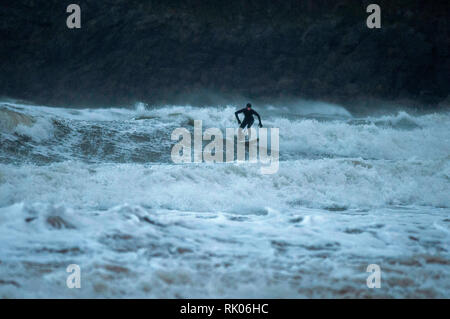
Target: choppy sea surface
[(98, 188)]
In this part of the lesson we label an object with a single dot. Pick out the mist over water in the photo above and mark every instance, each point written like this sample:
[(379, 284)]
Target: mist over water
[(98, 188)]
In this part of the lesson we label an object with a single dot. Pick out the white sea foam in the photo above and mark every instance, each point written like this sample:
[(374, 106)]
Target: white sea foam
[(227, 187), (96, 187)]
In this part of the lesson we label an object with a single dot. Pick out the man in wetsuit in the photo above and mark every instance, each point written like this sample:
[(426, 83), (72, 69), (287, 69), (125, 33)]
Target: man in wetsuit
[(248, 117)]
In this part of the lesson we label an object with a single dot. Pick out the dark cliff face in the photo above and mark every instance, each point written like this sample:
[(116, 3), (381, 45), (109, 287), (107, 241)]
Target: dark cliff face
[(173, 51)]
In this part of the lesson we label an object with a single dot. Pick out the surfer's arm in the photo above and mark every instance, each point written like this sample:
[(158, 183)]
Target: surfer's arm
[(236, 114), (259, 118)]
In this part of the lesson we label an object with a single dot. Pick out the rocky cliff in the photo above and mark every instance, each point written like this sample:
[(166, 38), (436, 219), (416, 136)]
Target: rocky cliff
[(188, 51)]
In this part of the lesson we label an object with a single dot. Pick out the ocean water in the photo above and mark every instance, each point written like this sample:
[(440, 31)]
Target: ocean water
[(98, 188)]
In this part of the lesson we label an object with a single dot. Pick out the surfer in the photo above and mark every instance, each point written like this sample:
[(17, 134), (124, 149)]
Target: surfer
[(248, 117)]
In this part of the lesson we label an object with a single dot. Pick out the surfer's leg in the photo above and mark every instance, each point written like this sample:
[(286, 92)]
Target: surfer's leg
[(250, 123), (241, 130)]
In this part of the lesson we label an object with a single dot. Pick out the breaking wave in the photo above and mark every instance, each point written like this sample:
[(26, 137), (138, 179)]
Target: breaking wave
[(98, 188)]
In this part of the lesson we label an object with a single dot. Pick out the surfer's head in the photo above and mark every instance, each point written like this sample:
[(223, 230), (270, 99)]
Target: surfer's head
[(249, 106)]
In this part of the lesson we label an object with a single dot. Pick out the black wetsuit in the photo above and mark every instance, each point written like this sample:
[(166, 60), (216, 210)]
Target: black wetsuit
[(248, 117)]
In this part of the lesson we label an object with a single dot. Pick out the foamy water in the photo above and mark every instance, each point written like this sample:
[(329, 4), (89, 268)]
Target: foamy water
[(97, 188)]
